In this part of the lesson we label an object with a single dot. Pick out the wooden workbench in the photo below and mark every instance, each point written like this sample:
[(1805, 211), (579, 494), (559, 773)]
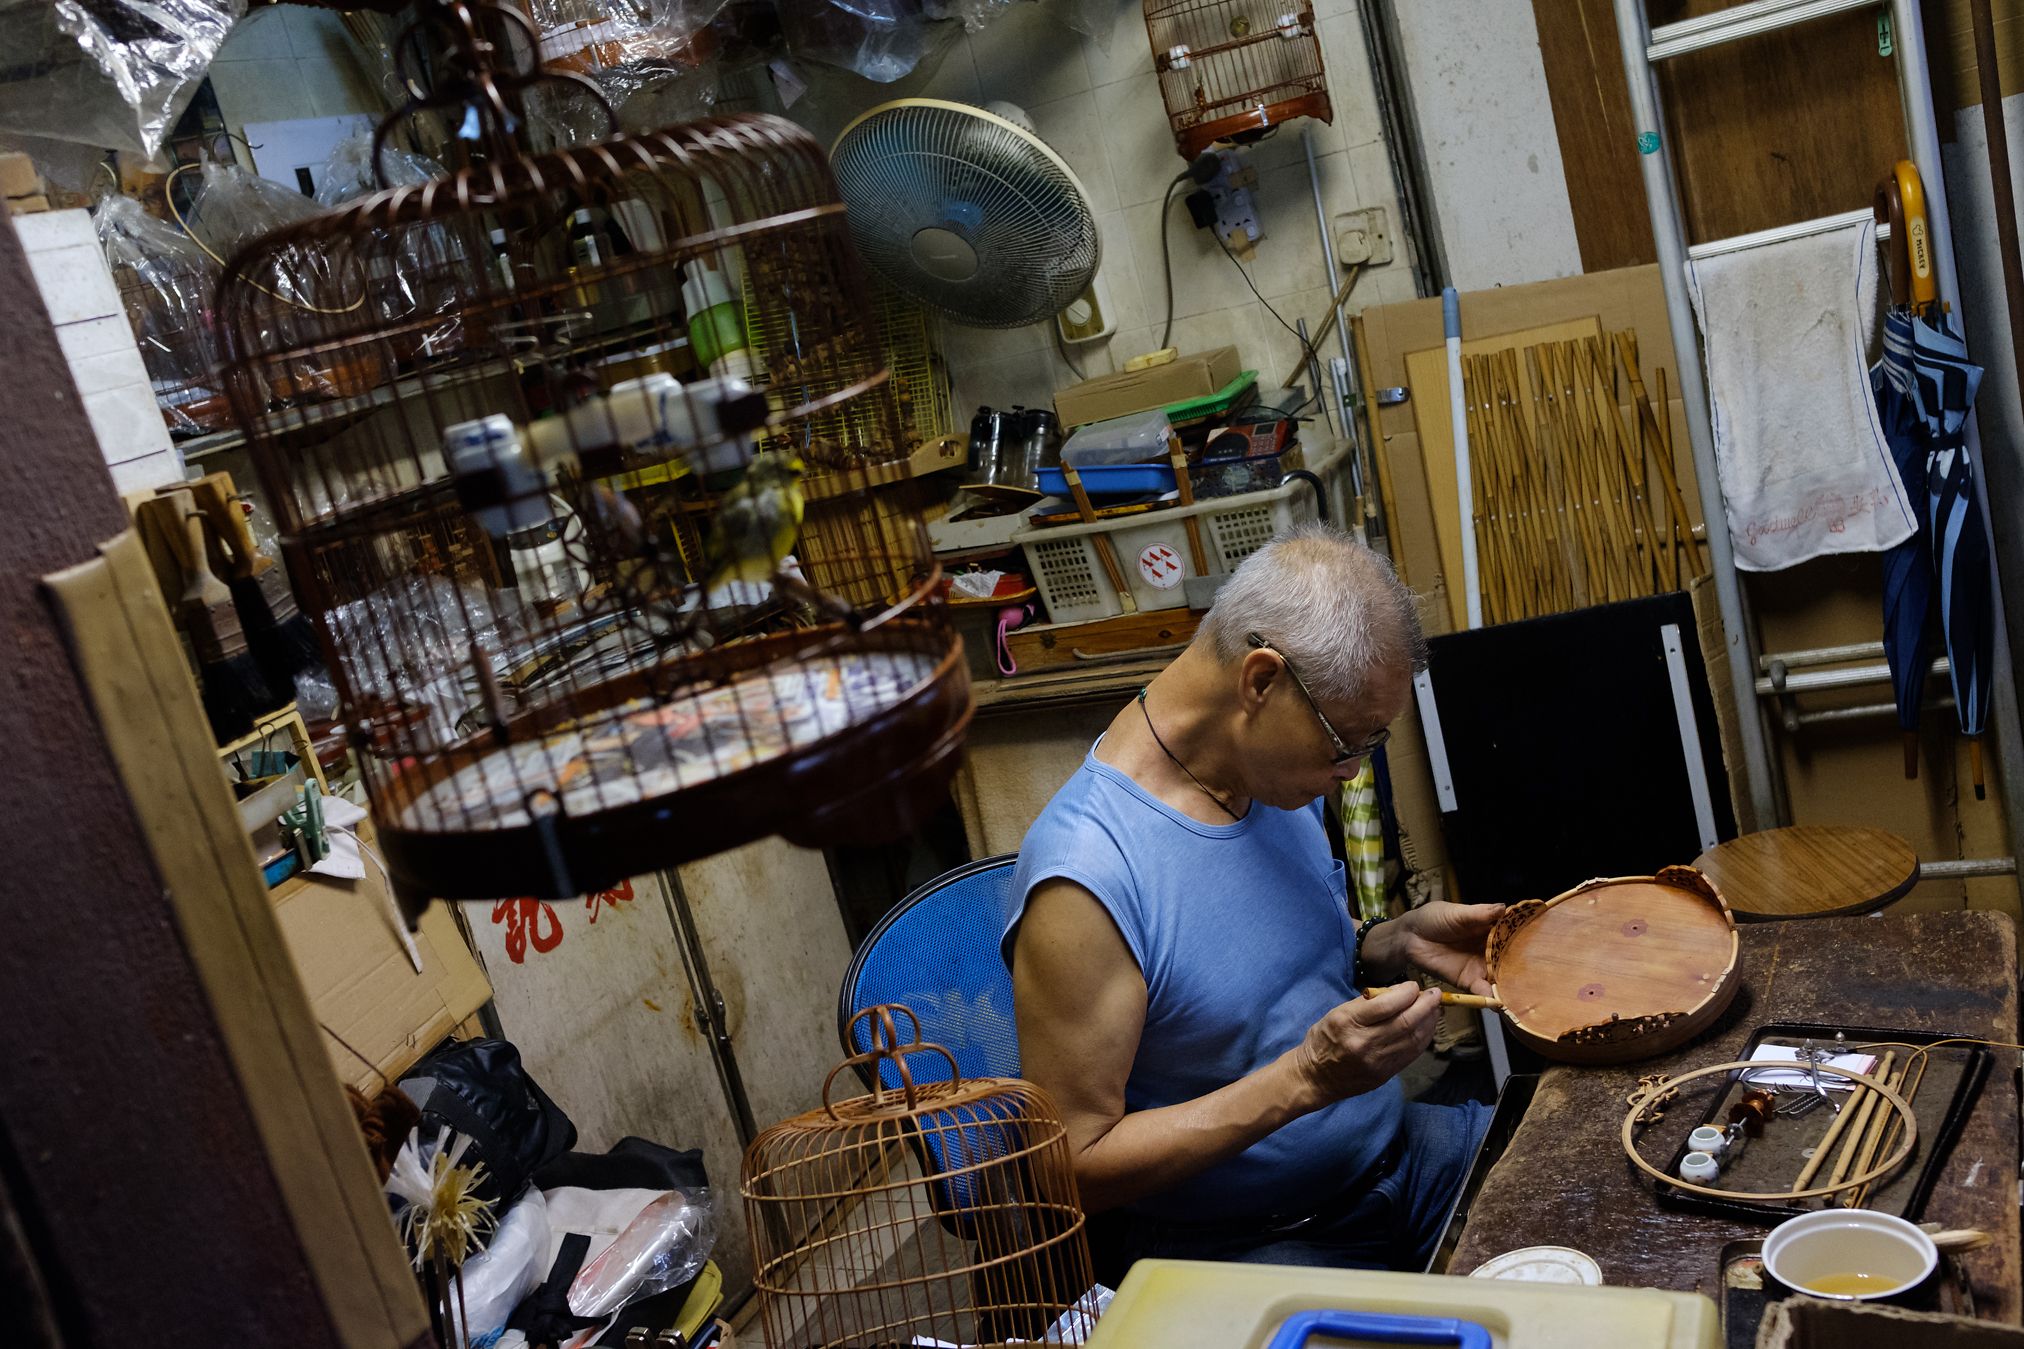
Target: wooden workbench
[(1564, 1180)]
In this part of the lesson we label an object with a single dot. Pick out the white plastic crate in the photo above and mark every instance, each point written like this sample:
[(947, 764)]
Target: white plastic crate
[(1152, 548)]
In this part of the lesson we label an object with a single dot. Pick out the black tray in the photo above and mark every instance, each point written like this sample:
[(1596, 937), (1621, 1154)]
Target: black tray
[(1954, 1077)]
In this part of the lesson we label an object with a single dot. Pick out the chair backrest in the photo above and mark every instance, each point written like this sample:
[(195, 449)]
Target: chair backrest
[(937, 953)]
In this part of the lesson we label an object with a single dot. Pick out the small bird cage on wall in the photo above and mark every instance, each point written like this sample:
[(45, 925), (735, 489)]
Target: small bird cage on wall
[(559, 566), (1234, 69), (929, 1212)]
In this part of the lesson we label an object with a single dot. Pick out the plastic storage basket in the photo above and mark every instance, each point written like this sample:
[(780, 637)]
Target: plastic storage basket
[(1152, 548)]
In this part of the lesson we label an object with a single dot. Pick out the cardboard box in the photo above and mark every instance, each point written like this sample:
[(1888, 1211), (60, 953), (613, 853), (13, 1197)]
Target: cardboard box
[(18, 177), (1129, 391), (1808, 1323), (359, 981), (33, 204)]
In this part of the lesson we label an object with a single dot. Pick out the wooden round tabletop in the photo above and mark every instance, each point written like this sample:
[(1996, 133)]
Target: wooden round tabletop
[(1810, 871)]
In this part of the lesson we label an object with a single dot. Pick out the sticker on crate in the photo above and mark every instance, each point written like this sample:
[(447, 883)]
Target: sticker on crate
[(1162, 567)]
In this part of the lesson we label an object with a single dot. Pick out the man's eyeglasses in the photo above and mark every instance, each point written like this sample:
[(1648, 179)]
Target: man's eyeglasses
[(1344, 751)]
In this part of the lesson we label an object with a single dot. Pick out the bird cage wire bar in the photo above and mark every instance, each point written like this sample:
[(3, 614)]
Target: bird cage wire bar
[(1216, 63), (514, 646), (854, 1243)]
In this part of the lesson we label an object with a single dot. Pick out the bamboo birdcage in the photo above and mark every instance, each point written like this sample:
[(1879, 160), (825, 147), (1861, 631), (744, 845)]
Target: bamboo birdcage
[(1232, 70), (941, 1209), (554, 673)]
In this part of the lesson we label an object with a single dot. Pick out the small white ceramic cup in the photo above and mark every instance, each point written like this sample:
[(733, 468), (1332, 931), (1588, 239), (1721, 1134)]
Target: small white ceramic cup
[(1816, 1246), (1700, 1168), (1708, 1139)]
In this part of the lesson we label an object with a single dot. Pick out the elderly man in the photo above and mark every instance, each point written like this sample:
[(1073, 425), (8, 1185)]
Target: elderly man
[(1187, 971)]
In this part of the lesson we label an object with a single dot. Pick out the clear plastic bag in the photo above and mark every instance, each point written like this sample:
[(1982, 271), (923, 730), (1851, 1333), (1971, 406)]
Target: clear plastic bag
[(408, 647), (307, 286), (113, 73), (509, 1268), (419, 278), (167, 283), (664, 1247), (882, 40)]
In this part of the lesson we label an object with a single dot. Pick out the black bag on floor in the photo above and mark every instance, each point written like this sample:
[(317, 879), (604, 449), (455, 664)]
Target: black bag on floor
[(480, 1089)]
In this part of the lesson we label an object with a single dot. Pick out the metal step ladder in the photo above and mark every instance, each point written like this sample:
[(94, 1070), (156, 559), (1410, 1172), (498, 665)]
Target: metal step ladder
[(1644, 47)]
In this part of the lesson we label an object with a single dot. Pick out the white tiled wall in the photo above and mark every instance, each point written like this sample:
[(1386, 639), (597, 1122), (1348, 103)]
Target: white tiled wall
[(288, 61), (1098, 104)]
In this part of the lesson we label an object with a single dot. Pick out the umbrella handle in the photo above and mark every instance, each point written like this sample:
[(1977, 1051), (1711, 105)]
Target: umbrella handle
[(1918, 237), (1889, 209)]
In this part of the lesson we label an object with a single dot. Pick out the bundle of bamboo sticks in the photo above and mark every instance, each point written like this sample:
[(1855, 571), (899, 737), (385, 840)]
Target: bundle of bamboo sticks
[(1562, 454)]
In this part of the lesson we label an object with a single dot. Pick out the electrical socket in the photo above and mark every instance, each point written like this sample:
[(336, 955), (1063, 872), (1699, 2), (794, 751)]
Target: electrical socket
[(1363, 237)]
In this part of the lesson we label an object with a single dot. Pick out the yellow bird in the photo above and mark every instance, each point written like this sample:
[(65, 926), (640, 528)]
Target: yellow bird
[(757, 521)]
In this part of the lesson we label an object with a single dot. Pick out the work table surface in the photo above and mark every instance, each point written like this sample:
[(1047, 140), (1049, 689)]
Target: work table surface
[(1565, 1182)]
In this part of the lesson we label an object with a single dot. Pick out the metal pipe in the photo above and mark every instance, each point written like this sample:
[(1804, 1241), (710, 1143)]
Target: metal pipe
[(1405, 150), (1778, 683), (1668, 232), (1820, 655), (1334, 280), (1739, 21), (1922, 133), (1780, 233), (1961, 867), (1795, 719)]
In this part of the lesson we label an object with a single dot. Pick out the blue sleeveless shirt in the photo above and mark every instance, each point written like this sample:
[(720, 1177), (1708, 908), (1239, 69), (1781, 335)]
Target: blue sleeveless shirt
[(1243, 934)]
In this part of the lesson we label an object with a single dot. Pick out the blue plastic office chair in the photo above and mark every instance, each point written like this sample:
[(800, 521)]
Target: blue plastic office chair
[(936, 952)]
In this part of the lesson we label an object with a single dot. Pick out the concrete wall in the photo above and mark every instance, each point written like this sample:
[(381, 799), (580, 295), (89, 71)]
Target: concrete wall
[(1478, 91)]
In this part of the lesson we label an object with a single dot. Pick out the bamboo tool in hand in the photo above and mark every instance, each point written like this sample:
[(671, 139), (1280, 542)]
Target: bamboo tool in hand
[(1101, 541), (1454, 999), (233, 690)]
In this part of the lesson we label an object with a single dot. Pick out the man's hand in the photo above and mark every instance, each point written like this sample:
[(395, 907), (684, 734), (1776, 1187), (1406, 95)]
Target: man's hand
[(1444, 939), (1364, 1043)]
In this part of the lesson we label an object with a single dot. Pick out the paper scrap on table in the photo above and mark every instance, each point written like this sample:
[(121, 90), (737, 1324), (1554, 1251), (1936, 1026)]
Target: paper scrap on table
[(1799, 1077)]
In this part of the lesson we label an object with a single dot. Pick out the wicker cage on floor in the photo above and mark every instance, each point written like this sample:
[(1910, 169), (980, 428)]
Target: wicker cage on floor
[(552, 531), (939, 1209)]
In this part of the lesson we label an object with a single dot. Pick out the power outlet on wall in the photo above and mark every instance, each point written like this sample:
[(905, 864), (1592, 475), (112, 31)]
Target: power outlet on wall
[(1363, 237)]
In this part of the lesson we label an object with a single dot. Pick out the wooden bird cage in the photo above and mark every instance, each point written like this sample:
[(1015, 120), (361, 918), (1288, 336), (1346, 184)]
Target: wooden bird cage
[(941, 1209), (555, 556), (1232, 70)]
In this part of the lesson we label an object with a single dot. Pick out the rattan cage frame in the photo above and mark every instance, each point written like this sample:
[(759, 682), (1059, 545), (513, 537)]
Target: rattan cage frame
[(359, 501)]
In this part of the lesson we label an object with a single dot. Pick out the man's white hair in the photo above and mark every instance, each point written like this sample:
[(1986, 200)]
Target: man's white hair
[(1328, 603)]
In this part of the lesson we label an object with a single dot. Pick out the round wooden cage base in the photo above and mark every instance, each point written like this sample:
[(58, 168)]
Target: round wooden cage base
[(1906, 1142)]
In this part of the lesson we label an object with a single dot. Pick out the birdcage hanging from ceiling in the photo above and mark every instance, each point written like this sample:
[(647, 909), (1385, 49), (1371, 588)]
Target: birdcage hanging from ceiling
[(932, 1211), (578, 626), (1232, 70)]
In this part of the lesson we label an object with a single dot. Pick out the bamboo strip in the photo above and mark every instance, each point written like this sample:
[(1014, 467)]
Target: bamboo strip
[(1825, 1147), (1626, 351), (1852, 1143), (1910, 1091), (1873, 1136)]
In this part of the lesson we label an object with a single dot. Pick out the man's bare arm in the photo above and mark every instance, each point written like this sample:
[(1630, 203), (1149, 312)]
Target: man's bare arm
[(1081, 1005)]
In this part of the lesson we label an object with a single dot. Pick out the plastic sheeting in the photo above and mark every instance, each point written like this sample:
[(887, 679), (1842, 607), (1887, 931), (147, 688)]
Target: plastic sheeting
[(166, 283), (114, 73)]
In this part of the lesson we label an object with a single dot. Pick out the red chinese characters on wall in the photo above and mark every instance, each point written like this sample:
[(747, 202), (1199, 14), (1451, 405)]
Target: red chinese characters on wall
[(535, 923)]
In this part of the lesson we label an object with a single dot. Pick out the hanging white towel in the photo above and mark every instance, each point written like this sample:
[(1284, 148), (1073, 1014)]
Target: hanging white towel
[(1804, 465)]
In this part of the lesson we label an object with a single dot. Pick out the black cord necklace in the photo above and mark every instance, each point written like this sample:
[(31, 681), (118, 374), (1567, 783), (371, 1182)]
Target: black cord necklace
[(1200, 785)]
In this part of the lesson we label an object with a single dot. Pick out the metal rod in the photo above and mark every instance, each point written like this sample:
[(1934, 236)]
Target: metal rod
[(1959, 868), (1861, 712), (1405, 149), (1740, 21), (1820, 681), (1780, 233), (1690, 734), (1820, 655), (1668, 232), (1922, 132)]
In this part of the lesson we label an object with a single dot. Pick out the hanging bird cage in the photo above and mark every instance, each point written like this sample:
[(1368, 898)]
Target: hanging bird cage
[(939, 1209), (1232, 70), (577, 627)]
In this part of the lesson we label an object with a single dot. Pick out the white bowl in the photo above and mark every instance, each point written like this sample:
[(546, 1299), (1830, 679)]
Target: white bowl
[(1808, 1249)]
